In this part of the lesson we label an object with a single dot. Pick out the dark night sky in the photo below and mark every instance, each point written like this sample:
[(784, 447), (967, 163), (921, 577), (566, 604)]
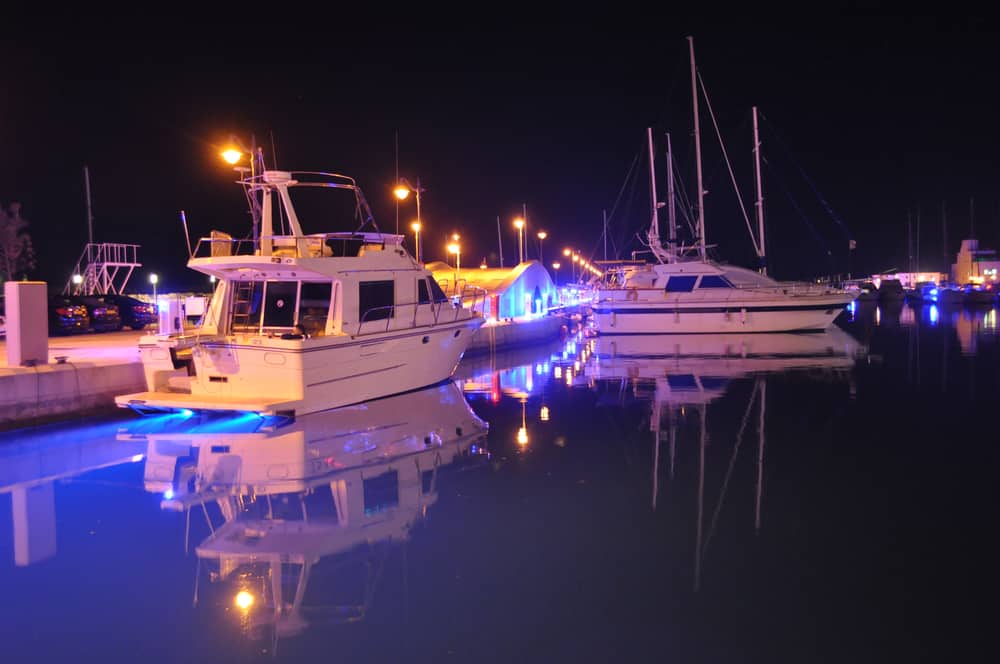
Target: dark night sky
[(884, 115)]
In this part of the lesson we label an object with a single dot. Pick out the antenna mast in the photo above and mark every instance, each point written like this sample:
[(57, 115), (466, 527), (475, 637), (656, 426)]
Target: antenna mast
[(761, 251), (697, 150), (671, 209)]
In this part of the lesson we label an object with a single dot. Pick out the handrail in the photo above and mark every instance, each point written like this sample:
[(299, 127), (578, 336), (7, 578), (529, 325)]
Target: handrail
[(294, 246), (437, 308)]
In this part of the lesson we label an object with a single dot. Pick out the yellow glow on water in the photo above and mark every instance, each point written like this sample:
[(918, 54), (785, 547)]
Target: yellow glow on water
[(543, 414), (522, 436), (244, 600), (557, 372)]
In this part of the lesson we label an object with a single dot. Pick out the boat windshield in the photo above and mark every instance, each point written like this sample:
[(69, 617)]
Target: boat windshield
[(320, 210)]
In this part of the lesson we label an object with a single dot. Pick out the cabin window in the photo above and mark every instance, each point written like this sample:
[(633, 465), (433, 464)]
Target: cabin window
[(314, 307), (714, 281), (439, 295), (683, 284), (682, 382), (423, 295), (279, 303), (375, 300), (381, 492)]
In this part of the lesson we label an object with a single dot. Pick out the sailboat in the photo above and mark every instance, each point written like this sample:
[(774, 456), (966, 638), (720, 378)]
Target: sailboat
[(682, 293)]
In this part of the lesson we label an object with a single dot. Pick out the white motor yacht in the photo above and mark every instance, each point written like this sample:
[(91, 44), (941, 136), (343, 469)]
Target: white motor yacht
[(301, 322)]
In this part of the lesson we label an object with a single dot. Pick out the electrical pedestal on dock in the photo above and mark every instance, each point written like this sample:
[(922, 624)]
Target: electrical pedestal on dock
[(27, 323)]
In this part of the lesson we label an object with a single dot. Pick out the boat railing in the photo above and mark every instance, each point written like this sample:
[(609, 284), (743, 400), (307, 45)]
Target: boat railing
[(443, 311), (340, 244)]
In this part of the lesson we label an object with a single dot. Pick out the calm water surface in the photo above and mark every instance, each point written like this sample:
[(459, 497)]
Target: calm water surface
[(767, 498)]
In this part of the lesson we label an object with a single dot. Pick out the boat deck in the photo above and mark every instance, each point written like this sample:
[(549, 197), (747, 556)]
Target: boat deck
[(156, 401)]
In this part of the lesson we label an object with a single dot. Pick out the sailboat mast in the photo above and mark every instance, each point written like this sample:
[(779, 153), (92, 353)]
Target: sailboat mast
[(654, 230), (671, 209), (697, 153), (761, 251)]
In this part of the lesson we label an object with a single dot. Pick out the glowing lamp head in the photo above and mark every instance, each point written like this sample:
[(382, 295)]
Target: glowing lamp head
[(519, 223), (453, 248), (415, 226), (542, 235), (243, 600), (77, 279), (556, 265), (232, 156), (401, 192), (154, 278)]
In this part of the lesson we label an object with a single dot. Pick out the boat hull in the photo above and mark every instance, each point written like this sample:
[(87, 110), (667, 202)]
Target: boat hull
[(304, 378), (797, 314)]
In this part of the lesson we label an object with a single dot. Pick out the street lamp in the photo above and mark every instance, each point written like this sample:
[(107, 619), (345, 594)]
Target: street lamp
[(456, 248), (576, 259), (154, 279), (233, 155), (402, 192), (541, 236), (416, 237), (519, 225), (556, 266)]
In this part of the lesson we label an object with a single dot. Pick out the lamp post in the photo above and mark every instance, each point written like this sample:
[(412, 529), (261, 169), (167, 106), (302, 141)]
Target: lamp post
[(154, 279), (576, 259), (416, 237), (541, 236), (556, 266), (456, 248), (233, 155), (402, 192), (519, 225)]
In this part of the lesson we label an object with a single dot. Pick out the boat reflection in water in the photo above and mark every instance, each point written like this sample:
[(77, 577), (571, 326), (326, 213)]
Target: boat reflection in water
[(680, 375), (314, 503)]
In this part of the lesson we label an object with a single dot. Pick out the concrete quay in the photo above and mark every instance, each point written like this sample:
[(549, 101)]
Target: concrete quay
[(84, 373)]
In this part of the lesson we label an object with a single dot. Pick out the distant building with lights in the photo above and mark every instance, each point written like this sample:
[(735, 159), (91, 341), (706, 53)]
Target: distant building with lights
[(974, 265)]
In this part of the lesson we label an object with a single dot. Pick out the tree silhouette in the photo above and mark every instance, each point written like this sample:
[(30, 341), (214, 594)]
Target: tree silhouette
[(17, 256)]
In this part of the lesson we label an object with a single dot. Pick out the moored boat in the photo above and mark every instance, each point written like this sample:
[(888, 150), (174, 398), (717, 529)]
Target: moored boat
[(685, 292), (305, 321)]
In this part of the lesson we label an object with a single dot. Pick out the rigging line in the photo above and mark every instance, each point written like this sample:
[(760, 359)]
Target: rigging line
[(805, 176), (729, 166), (729, 470), (628, 178), (812, 228), (685, 199)]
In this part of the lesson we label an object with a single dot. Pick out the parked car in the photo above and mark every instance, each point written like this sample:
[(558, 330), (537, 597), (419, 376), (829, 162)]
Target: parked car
[(67, 316), (104, 316), (134, 312)]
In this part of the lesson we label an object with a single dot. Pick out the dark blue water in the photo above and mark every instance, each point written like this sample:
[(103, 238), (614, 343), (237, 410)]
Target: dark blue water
[(707, 499)]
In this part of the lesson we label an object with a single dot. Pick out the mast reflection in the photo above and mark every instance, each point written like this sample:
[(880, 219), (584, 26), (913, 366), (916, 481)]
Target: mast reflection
[(680, 375), (301, 517)]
